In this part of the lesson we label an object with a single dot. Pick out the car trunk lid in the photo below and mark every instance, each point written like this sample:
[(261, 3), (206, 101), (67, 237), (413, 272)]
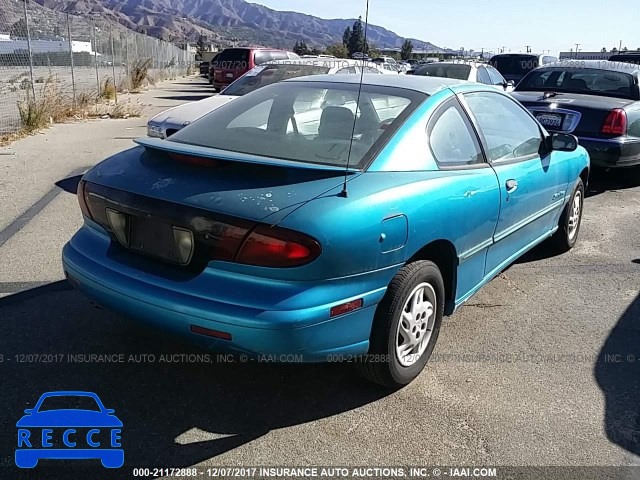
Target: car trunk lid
[(580, 114)]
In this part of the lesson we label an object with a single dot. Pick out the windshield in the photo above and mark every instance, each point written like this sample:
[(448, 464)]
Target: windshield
[(267, 74), (69, 402), (449, 70), (514, 64), (579, 80), (309, 122)]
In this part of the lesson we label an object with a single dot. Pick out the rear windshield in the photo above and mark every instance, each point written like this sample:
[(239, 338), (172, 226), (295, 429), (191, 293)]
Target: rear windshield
[(69, 402), (514, 64), (635, 59), (232, 58), (450, 70), (579, 80), (311, 122), (264, 75)]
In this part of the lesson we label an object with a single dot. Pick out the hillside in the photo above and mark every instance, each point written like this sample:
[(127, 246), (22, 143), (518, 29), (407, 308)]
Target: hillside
[(230, 20)]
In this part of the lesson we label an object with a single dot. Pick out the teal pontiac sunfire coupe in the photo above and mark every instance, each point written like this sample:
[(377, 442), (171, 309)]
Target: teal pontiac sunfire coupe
[(327, 219)]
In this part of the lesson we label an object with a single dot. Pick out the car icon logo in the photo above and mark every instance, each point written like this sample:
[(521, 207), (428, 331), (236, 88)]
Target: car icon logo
[(69, 425)]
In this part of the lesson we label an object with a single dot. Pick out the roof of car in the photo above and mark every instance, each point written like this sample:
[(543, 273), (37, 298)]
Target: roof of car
[(319, 61), (428, 85), (451, 62), (614, 66)]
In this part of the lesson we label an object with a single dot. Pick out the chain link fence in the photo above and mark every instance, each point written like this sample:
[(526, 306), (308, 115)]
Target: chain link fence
[(49, 56)]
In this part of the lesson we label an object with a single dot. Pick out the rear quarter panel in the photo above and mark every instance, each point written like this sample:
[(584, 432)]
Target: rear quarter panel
[(460, 206)]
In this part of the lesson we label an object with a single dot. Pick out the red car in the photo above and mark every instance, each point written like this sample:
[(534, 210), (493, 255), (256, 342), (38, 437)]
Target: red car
[(232, 63)]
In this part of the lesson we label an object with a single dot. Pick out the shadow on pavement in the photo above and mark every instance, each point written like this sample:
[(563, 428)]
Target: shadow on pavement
[(186, 98), (176, 412), (601, 181), (617, 372), (69, 185)]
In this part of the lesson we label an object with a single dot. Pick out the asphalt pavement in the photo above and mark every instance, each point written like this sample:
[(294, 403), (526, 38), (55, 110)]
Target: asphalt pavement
[(541, 367)]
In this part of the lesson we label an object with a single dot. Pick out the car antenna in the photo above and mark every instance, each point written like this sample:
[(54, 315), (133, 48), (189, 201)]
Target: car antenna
[(344, 192)]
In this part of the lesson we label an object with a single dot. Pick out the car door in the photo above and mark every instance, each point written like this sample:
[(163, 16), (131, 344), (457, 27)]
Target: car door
[(471, 190), (532, 185)]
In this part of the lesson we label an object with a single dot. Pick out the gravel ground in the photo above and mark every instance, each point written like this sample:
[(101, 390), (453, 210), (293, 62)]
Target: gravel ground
[(524, 374)]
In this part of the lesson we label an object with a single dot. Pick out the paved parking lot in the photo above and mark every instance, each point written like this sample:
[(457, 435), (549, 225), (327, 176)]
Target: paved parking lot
[(541, 367)]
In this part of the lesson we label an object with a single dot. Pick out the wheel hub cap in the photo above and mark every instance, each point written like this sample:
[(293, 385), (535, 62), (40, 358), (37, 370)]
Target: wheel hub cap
[(574, 215), (416, 324)]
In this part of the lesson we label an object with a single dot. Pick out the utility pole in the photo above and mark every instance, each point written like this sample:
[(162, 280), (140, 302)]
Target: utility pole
[(528, 48), (577, 49)]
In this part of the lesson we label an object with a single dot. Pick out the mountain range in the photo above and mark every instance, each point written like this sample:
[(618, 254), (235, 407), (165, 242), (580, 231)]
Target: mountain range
[(227, 22)]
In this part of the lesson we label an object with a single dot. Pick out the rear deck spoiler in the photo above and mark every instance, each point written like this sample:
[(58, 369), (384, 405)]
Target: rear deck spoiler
[(217, 154)]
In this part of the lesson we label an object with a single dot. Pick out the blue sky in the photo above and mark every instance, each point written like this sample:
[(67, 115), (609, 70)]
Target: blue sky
[(545, 24)]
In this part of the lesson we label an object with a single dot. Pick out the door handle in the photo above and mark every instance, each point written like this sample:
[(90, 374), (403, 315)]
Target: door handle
[(512, 185)]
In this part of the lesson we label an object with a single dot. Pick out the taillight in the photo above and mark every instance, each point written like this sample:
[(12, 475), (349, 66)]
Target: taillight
[(277, 247), (616, 122), (82, 199)]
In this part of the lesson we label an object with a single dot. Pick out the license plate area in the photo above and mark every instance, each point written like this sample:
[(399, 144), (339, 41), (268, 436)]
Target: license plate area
[(158, 239), (550, 120)]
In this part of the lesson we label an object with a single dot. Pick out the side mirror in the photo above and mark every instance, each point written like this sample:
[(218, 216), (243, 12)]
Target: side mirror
[(109, 411), (29, 411), (561, 142), (511, 83)]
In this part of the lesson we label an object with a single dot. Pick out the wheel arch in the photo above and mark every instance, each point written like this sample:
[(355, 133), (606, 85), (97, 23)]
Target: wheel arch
[(584, 176), (443, 253)]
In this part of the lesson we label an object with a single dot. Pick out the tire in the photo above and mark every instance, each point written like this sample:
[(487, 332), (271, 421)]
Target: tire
[(567, 235), (383, 364)]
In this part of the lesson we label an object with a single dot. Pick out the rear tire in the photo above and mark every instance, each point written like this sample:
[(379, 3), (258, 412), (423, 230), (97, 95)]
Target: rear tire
[(569, 225), (406, 326)]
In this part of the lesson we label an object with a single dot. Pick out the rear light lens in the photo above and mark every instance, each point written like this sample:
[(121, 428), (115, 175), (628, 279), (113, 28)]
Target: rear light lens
[(119, 223), (277, 247), (615, 123), (210, 333), (346, 307), (81, 193), (184, 244)]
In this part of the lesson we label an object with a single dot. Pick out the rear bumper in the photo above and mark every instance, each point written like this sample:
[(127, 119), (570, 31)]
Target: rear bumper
[(612, 153), (263, 316)]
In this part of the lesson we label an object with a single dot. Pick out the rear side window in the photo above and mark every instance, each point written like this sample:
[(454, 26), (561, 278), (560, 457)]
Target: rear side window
[(451, 141), (483, 76), (232, 58)]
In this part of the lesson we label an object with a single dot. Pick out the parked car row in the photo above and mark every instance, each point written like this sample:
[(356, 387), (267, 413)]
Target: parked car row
[(335, 217), (322, 210), (170, 121)]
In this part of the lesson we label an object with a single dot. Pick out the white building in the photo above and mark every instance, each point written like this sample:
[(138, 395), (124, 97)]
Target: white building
[(586, 55), (19, 45)]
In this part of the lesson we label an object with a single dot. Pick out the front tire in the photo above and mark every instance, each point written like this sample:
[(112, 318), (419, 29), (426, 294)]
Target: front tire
[(569, 225), (406, 326)]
